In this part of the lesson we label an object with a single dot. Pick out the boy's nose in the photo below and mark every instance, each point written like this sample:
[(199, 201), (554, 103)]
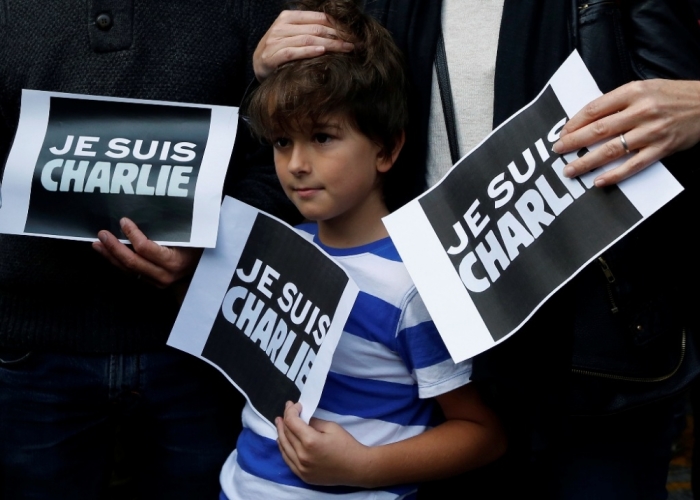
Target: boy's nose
[(298, 161)]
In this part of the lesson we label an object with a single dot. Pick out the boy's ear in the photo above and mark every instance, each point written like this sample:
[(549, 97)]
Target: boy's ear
[(386, 161)]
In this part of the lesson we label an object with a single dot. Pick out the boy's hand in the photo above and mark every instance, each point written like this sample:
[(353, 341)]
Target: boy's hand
[(159, 265), (321, 453), (296, 34)]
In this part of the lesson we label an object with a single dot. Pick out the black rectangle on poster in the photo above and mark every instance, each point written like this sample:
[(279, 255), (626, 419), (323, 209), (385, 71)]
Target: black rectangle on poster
[(274, 317), (103, 160), (507, 216)]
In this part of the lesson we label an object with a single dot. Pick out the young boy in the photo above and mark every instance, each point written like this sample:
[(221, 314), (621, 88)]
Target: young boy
[(336, 123)]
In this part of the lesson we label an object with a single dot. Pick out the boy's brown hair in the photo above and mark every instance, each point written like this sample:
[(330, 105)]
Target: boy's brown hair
[(367, 85)]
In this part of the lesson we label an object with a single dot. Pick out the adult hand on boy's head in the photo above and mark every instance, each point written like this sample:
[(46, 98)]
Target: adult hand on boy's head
[(322, 452), (296, 34), (159, 265), (651, 119)]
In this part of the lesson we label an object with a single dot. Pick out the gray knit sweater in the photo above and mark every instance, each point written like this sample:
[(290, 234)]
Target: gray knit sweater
[(61, 295)]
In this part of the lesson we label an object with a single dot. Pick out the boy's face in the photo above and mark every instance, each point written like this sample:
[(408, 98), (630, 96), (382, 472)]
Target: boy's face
[(331, 172)]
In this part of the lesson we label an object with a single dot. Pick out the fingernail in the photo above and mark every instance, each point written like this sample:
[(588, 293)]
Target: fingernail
[(569, 172), (319, 48), (562, 133), (348, 46), (122, 222), (558, 147), (600, 182), (102, 237), (287, 404)]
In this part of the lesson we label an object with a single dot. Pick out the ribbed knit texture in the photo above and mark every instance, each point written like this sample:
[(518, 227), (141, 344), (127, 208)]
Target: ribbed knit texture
[(61, 295), (470, 29)]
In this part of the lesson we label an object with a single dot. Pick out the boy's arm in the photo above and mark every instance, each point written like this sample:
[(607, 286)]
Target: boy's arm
[(324, 453)]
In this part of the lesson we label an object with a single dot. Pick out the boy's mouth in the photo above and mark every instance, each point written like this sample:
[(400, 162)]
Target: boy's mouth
[(306, 192)]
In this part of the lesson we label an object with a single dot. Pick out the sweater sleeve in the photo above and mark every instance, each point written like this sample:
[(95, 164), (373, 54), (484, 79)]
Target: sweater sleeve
[(176, 52)]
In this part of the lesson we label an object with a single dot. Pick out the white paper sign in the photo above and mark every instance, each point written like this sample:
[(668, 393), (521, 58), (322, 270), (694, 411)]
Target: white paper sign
[(79, 164), (267, 308), (504, 229)]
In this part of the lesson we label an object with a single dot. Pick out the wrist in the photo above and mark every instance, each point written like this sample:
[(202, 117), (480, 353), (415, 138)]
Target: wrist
[(366, 471), (358, 471)]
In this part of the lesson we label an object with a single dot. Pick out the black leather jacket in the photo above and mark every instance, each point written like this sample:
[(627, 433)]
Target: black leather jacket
[(621, 334), (634, 331)]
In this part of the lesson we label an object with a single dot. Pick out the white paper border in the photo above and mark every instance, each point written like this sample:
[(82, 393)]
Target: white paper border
[(33, 123)]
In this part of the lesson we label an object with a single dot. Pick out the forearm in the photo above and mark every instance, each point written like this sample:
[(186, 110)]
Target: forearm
[(446, 450), (322, 452)]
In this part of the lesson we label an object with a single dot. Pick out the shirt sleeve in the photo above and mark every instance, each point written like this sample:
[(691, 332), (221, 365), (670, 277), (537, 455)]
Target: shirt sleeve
[(425, 354)]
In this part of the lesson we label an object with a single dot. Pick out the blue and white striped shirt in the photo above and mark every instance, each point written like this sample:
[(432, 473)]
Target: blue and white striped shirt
[(388, 364)]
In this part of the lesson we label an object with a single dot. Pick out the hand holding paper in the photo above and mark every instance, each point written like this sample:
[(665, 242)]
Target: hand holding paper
[(657, 118), (160, 265), (78, 162), (505, 229), (267, 308), (321, 452)]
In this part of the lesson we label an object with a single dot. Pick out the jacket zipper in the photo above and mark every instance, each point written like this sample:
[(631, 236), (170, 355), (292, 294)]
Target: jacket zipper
[(637, 379), (611, 279), (585, 6)]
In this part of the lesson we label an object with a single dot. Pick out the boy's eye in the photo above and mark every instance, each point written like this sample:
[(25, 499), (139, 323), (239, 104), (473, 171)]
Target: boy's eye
[(281, 142), (322, 138)]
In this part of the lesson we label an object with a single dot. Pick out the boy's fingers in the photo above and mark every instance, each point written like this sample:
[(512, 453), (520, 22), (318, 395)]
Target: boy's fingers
[(288, 452), (296, 430), (287, 459), (282, 436), (321, 425), (291, 409), (292, 420), (287, 440), (292, 444)]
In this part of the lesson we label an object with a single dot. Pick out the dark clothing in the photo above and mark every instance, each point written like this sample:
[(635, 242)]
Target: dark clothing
[(530, 378), (90, 338), (172, 418), (61, 295), (618, 457)]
